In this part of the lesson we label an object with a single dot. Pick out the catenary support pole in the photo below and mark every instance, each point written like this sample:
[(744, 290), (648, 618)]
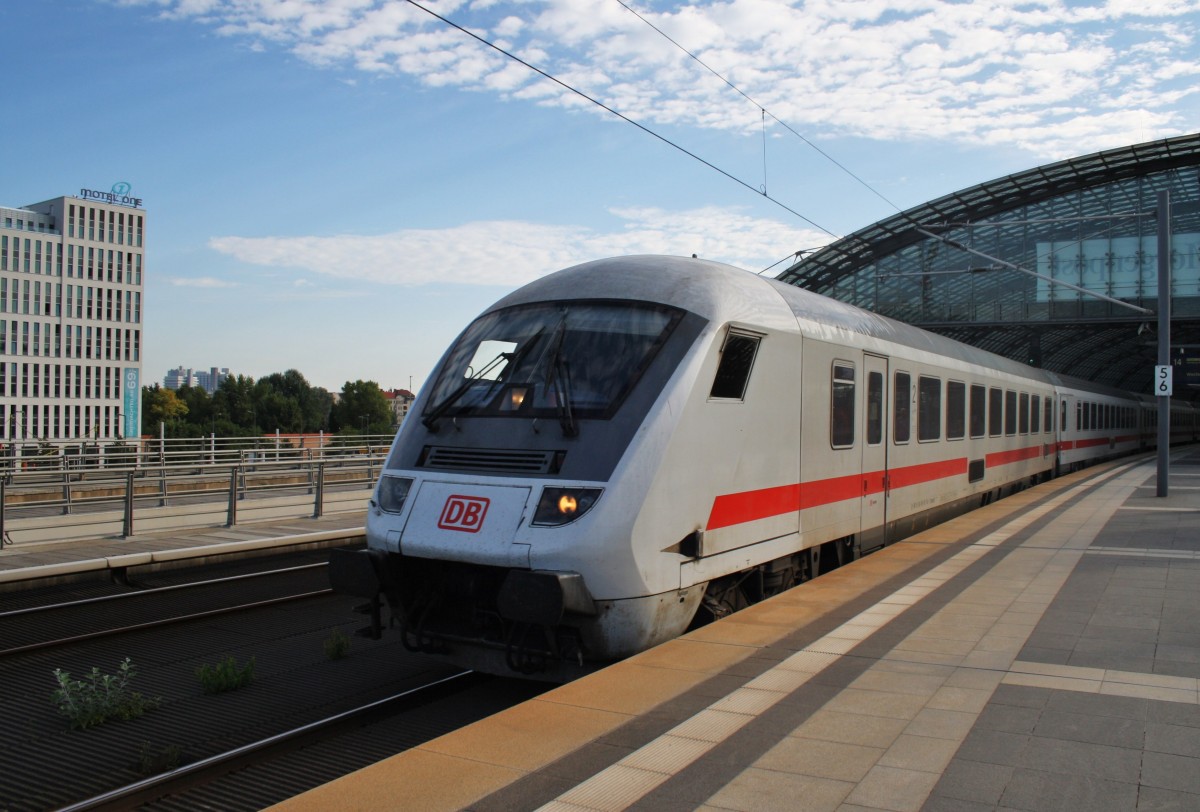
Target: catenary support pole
[(1164, 336)]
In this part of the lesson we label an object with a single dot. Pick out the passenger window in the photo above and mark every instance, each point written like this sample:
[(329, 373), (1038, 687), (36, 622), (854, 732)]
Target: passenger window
[(902, 408), (733, 373), (1010, 412), (929, 408), (978, 410), (874, 408), (1049, 416), (995, 412), (1035, 414), (956, 410), (841, 419), (1023, 413)]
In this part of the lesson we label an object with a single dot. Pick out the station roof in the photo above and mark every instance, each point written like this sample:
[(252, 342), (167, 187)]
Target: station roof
[(1109, 345)]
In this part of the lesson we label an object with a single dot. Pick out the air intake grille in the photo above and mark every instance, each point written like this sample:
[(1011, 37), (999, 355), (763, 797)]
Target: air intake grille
[(492, 460)]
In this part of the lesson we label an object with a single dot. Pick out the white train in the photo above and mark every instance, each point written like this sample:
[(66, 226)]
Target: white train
[(629, 446)]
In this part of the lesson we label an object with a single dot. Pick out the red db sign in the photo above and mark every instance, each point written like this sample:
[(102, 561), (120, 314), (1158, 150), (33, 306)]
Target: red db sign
[(463, 513)]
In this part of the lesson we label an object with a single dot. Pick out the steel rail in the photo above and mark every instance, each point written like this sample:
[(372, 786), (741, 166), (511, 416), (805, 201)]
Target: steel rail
[(151, 624), (155, 590), (191, 775)]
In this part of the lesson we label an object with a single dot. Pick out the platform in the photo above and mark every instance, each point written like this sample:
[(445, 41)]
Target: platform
[(1039, 653), (41, 559)]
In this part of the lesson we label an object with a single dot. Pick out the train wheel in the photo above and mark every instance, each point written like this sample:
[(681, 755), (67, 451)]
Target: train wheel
[(847, 551), (810, 564)]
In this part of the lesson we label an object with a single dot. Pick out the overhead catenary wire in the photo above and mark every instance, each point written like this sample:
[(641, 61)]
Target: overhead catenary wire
[(623, 117), (765, 111)]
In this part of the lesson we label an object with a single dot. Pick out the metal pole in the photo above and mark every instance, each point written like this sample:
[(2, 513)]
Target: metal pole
[(319, 502), (3, 532), (66, 493), (127, 531), (231, 515), (1164, 336)]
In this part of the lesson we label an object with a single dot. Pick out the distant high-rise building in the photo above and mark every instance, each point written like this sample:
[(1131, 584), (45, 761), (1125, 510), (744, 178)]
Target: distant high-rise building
[(71, 317), (209, 381), (178, 378)]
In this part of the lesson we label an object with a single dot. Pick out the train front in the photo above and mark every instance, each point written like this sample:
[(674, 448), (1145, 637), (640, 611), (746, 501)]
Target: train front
[(499, 533)]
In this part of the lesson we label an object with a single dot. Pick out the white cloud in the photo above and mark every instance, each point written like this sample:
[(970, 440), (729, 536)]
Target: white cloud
[(986, 72), (200, 282), (509, 253)]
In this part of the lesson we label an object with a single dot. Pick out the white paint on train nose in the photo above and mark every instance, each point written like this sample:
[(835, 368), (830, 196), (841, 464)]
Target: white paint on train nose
[(459, 521)]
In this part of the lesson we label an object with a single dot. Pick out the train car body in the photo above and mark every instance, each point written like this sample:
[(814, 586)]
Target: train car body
[(618, 448)]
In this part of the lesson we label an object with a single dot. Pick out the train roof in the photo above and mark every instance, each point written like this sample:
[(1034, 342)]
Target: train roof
[(722, 293)]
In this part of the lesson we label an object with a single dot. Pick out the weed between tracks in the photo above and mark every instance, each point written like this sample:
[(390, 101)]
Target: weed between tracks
[(100, 697), (226, 675)]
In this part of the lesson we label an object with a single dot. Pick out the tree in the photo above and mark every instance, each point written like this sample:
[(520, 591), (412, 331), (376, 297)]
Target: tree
[(161, 405), (286, 401), (362, 407), (234, 401)]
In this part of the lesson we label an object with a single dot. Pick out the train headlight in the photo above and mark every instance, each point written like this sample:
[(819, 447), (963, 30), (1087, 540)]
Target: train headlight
[(559, 506), (393, 491)]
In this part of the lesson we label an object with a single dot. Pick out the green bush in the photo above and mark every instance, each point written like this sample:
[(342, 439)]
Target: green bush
[(337, 645), (100, 697), (226, 675)]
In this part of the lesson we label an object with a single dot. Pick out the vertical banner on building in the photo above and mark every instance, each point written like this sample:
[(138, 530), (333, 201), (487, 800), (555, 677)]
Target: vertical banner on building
[(133, 400)]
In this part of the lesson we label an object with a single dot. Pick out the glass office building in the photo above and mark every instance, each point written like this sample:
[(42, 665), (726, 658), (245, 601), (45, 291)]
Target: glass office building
[(984, 265)]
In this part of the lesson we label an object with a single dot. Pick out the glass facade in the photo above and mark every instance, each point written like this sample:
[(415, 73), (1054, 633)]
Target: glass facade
[(1091, 222)]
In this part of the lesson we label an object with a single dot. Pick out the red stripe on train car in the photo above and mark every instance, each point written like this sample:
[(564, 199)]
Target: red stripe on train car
[(998, 458), (738, 508)]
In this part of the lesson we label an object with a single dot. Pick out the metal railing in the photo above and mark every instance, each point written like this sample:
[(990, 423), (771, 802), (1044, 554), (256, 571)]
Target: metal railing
[(191, 480)]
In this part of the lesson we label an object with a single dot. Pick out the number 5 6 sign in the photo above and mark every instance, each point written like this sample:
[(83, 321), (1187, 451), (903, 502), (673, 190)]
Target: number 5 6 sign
[(1162, 381)]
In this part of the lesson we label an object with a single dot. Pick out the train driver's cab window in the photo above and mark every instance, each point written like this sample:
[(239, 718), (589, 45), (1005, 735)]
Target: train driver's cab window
[(929, 408), (841, 417), (733, 372), (956, 410), (902, 408)]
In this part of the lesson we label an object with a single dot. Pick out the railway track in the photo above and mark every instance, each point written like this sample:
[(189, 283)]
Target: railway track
[(168, 632)]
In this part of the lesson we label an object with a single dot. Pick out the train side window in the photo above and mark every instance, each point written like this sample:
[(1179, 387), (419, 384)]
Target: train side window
[(1080, 412), (1023, 413), (1062, 425), (841, 418), (902, 408), (956, 410), (1010, 412), (995, 412), (874, 408), (1035, 414), (929, 408), (978, 410), (1095, 409), (1049, 415), (733, 373)]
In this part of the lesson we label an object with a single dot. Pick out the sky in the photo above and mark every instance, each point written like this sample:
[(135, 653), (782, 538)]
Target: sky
[(341, 186)]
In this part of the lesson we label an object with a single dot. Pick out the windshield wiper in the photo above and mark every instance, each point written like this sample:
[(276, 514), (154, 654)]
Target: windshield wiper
[(561, 374), (513, 359)]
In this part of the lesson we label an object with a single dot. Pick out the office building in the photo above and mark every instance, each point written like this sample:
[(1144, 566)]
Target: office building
[(71, 285)]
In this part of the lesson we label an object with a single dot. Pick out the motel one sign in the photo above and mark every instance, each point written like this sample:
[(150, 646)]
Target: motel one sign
[(118, 196)]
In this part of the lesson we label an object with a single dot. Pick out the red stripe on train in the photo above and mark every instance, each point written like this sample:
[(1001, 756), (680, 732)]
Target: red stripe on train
[(738, 508)]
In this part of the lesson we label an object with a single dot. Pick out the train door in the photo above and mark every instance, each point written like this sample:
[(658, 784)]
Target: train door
[(873, 509)]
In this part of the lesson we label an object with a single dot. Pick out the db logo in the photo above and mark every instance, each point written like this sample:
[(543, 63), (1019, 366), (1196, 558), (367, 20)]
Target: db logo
[(463, 513)]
